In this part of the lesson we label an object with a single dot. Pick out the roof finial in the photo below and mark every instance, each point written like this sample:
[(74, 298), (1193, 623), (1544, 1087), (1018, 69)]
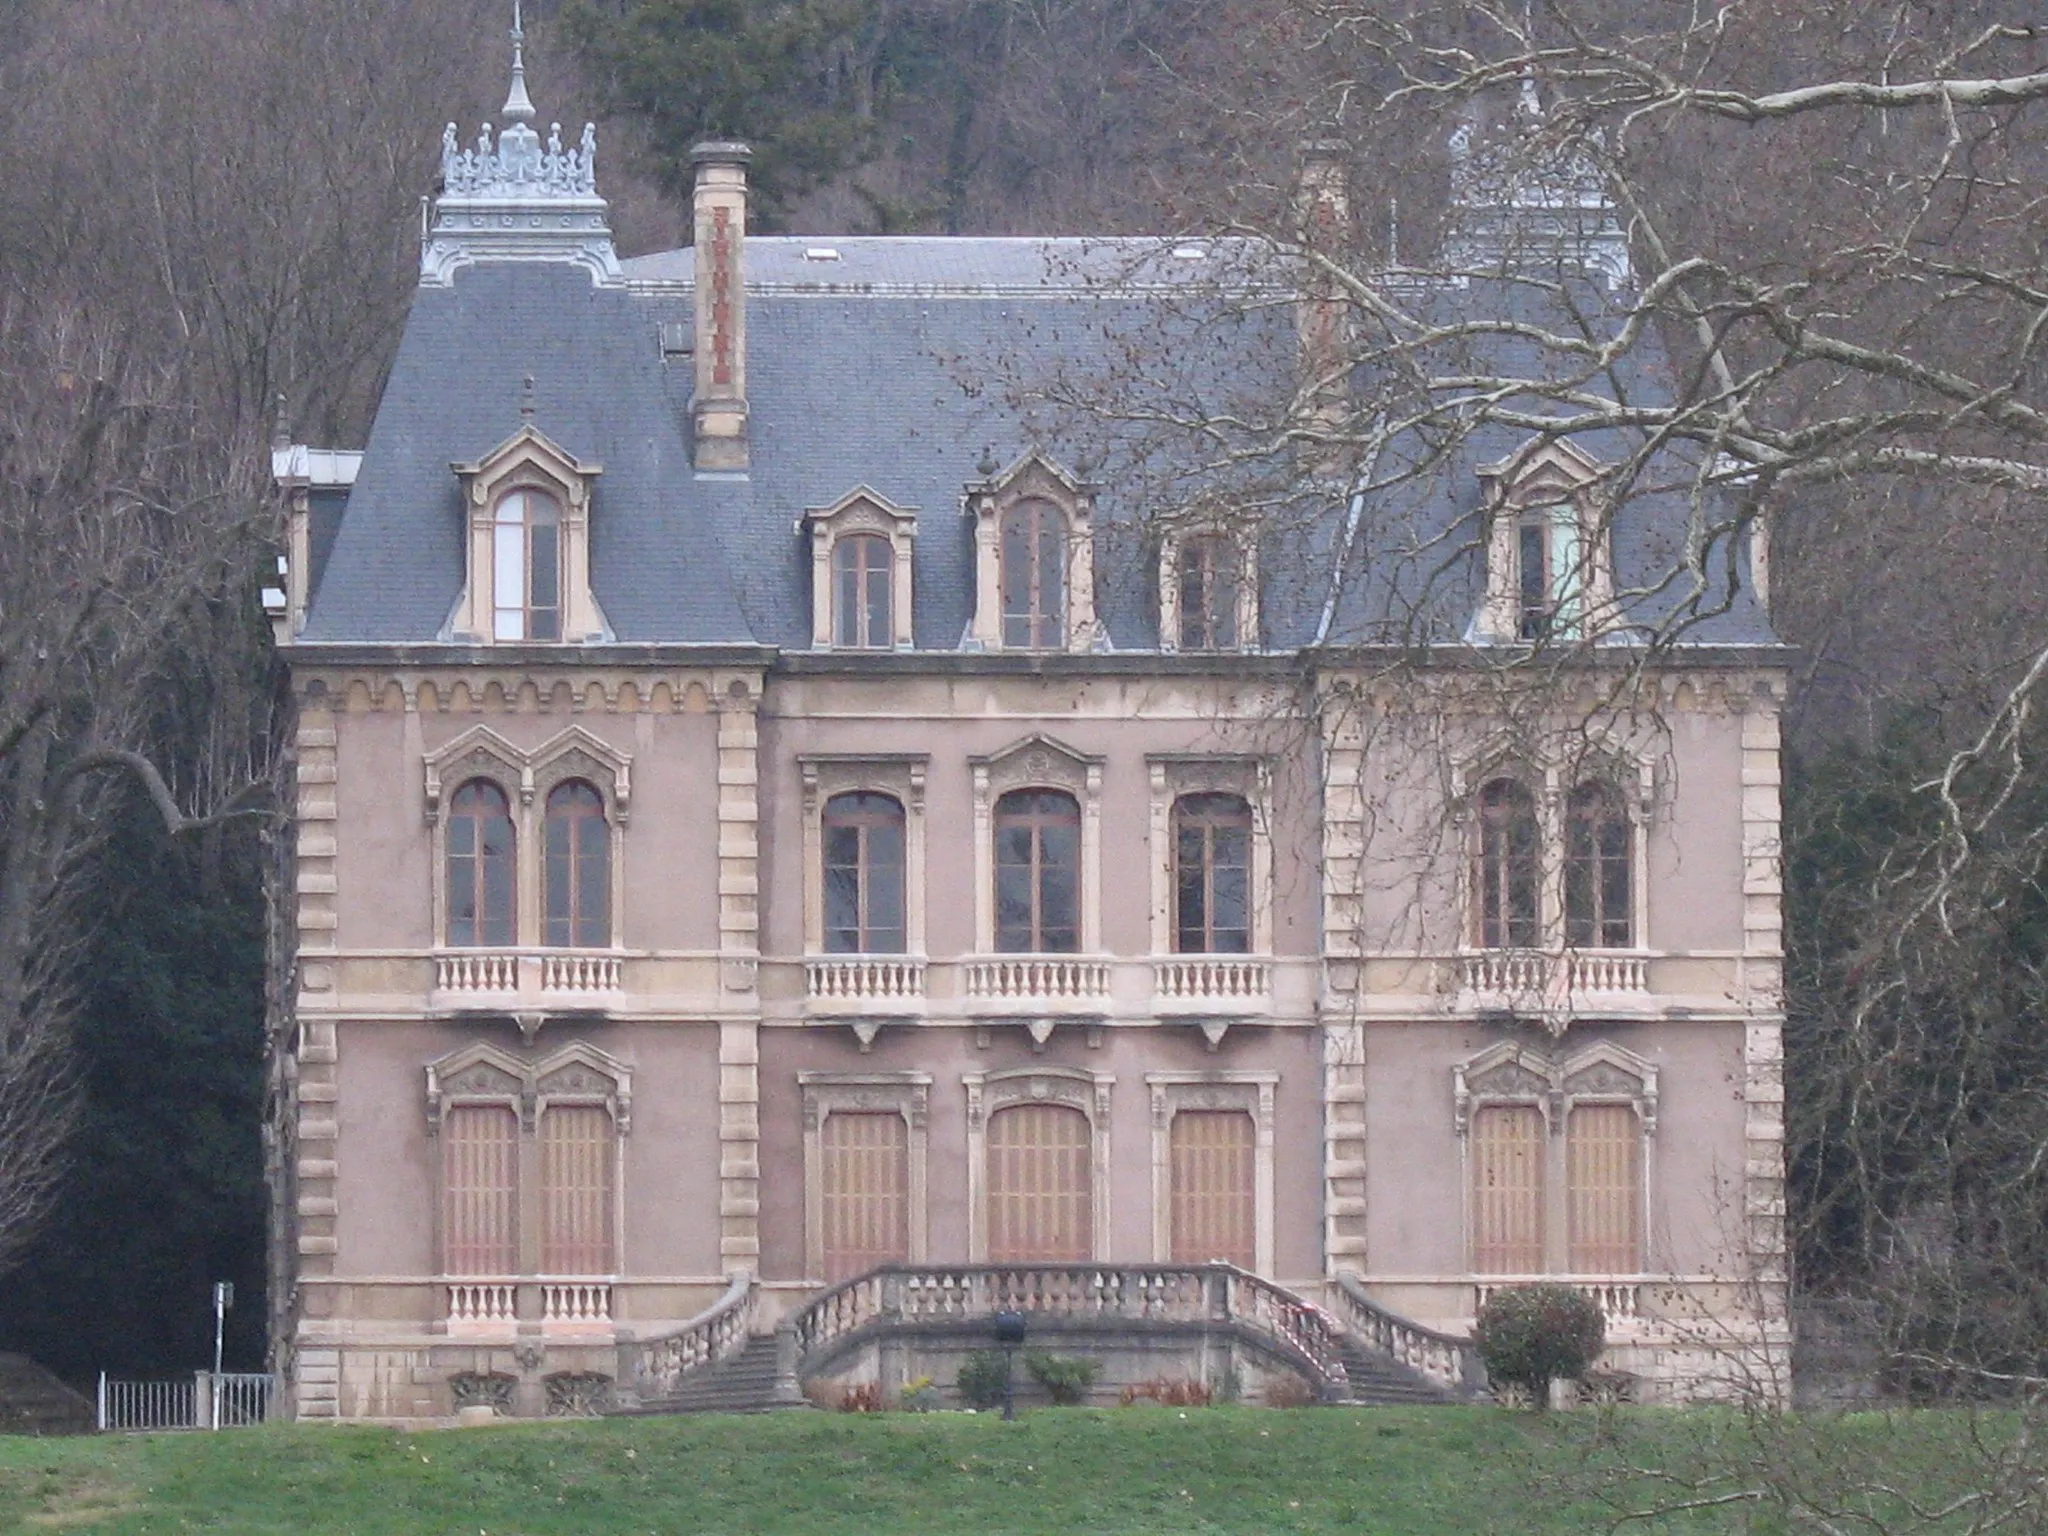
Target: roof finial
[(526, 399), (518, 105)]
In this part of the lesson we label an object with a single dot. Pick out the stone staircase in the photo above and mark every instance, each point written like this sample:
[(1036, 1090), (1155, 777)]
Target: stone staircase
[(741, 1383), (33, 1402), (1380, 1381)]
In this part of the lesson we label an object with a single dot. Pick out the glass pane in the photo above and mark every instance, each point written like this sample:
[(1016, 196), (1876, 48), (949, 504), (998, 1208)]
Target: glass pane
[(1058, 917), (1060, 845), (1013, 908), (842, 844), (881, 629), (461, 898), (842, 908), (845, 594), (593, 880), (508, 582), (1052, 583), (1231, 898), (1017, 583), (497, 897), (557, 869), (1192, 909), (547, 556), (1014, 842)]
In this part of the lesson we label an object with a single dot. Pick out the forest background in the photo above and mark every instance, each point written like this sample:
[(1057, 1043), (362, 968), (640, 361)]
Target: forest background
[(210, 219)]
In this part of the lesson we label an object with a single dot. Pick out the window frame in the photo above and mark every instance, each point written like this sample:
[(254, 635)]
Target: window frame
[(1072, 1087), (1048, 813), (538, 527), (479, 856), (1249, 1091), (863, 821), (1495, 861), (527, 464), (1244, 602), (577, 880), (1035, 477), (1594, 867), (1175, 776), (1204, 811), (861, 512), (1038, 761), (901, 776), (1548, 489), (902, 1093)]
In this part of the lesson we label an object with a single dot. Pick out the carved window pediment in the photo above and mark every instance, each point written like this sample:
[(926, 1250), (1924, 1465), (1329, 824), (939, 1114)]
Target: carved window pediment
[(1511, 1072), (1059, 597), (576, 1073), (861, 572), (1039, 762), (528, 463), (1549, 567)]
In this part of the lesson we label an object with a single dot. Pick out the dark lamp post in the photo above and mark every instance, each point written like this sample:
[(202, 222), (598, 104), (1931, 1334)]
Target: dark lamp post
[(1009, 1326)]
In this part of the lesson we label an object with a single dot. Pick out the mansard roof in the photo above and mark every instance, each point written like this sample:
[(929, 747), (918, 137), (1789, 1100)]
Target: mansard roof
[(901, 364)]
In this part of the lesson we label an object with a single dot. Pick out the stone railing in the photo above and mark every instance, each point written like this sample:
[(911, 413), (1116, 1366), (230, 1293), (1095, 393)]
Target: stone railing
[(1195, 980), (1444, 1358), (904, 1295), (1620, 1300), (1535, 976), (655, 1367), (1037, 978), (865, 979), (482, 1306), (576, 1303), (514, 973)]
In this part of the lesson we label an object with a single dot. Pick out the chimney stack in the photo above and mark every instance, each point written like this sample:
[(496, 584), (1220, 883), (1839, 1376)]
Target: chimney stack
[(1323, 222), (718, 409)]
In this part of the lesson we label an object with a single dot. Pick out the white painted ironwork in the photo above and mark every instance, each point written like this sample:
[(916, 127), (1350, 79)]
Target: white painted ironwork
[(203, 1400)]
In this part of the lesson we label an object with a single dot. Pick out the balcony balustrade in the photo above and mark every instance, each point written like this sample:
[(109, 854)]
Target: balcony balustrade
[(1050, 981), (489, 1307), (864, 984), (1523, 980), (482, 1306), (1211, 984), (507, 978)]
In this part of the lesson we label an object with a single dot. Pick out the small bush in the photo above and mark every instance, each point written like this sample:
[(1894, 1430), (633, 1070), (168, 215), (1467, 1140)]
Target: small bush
[(1066, 1378), (1286, 1392), (862, 1397), (1167, 1393), (919, 1396), (1531, 1335), (982, 1379)]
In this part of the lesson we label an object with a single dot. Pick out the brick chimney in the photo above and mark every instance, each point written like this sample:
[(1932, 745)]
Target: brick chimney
[(718, 410)]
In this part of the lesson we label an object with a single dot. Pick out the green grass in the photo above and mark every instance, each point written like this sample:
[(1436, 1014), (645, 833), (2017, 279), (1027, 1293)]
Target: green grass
[(1405, 1472)]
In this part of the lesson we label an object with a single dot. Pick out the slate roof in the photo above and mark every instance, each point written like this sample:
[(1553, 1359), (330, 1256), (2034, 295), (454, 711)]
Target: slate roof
[(898, 364)]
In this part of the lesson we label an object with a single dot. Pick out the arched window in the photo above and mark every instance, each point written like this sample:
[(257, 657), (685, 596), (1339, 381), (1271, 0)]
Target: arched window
[(1508, 867), (480, 867), (1038, 872), (864, 874), (1209, 576), (578, 868), (1598, 869), (1033, 552), (1549, 572), (863, 577), (1212, 874), (526, 567)]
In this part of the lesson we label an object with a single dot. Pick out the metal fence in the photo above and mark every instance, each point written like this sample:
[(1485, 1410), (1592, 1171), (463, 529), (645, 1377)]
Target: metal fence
[(202, 1400)]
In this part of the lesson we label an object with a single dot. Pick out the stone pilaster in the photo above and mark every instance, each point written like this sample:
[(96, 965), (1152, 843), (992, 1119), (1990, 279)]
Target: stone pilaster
[(1343, 861), (1763, 967), (739, 946), (317, 1128)]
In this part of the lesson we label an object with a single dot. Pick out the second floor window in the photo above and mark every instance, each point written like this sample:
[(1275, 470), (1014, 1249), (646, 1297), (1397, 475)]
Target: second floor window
[(1212, 874), (480, 865), (1209, 577), (1507, 867), (1598, 860), (864, 874), (1033, 553), (863, 576), (577, 867), (526, 568), (1038, 872)]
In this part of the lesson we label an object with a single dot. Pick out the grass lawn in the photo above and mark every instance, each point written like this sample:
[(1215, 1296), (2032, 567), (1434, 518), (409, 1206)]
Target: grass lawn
[(1408, 1472)]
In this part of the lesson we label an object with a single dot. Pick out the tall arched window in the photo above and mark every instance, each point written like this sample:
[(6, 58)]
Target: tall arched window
[(1038, 872), (1033, 552), (526, 567), (1598, 869), (1212, 874), (864, 874), (863, 578), (480, 865), (1508, 867), (577, 866), (480, 1190), (1209, 577)]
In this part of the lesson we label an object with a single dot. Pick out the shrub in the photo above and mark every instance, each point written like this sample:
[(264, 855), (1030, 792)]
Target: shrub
[(1286, 1392), (862, 1397), (919, 1396), (1531, 1335), (982, 1379), (1066, 1378), (1168, 1393)]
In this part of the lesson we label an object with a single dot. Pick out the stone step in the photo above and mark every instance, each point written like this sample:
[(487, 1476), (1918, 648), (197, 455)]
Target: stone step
[(743, 1384), (1378, 1380)]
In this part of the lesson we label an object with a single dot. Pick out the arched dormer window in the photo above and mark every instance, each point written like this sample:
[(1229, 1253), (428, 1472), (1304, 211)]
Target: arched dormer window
[(1208, 588), (576, 868), (526, 567), (863, 574), (1034, 559), (482, 873), (1508, 867), (528, 516), (1034, 581), (1599, 869), (861, 548), (1548, 566)]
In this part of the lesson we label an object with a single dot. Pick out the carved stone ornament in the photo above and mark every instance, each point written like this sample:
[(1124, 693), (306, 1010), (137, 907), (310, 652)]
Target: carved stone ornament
[(1516, 1073), (578, 1395), (486, 1074), (481, 1389), (524, 775)]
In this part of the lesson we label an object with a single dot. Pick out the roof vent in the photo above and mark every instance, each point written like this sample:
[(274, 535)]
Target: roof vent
[(820, 253), (676, 338)]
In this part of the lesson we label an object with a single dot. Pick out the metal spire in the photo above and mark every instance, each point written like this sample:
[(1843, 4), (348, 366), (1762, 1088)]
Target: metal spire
[(518, 105)]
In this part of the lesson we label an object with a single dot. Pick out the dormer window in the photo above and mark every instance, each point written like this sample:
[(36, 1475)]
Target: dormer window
[(1034, 559), (528, 514), (1548, 571), (861, 549), (1207, 597), (526, 567)]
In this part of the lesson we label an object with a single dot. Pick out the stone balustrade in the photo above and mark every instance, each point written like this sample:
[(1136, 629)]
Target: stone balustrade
[(1190, 983), (655, 1367), (470, 978), (1032, 979), (482, 1306), (1524, 979), (868, 981), (1620, 1299), (1444, 1358), (576, 1304)]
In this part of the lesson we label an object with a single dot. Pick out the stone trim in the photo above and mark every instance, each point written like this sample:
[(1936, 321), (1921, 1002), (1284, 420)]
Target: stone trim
[(1249, 1091), (739, 945), (1763, 967), (861, 510), (900, 775), (1174, 774), (1075, 1087), (826, 1093), (1037, 761)]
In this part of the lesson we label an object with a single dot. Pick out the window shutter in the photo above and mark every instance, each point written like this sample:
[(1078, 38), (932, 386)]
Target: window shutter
[(1212, 1158), (1040, 1185), (866, 1193), (480, 1199), (1507, 1190), (576, 1156), (1604, 1182)]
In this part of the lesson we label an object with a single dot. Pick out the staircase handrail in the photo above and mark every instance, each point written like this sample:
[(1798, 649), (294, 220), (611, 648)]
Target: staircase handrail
[(656, 1366), (1195, 1293), (1444, 1358)]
